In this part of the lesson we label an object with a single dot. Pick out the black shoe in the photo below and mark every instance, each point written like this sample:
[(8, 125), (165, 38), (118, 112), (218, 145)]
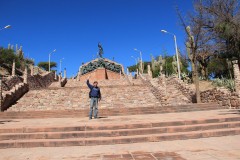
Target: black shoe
[(90, 118)]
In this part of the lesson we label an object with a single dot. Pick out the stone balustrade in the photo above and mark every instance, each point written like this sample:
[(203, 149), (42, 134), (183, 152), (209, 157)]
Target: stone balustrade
[(10, 97)]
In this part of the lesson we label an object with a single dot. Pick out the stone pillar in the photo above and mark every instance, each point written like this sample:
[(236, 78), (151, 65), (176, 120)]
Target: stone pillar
[(236, 75), (32, 70), (127, 71), (60, 77), (120, 74), (65, 73), (55, 76), (25, 76), (13, 68), (137, 72), (149, 71), (1, 98)]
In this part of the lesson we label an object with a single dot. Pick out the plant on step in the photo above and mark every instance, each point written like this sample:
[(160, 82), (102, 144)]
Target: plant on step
[(227, 83)]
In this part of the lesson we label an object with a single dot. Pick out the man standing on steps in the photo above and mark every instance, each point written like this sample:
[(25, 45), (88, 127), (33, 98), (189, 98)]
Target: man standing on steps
[(95, 95)]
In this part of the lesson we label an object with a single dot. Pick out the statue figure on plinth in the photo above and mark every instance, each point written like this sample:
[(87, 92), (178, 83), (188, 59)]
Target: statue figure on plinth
[(100, 50)]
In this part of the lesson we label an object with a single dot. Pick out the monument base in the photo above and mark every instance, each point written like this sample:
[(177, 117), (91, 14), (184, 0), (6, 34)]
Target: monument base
[(100, 74)]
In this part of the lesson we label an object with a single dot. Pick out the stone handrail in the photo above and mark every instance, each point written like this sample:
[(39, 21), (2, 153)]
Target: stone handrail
[(153, 89), (10, 97)]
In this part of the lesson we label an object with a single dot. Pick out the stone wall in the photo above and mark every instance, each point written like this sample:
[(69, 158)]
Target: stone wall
[(40, 81), (100, 74), (222, 96)]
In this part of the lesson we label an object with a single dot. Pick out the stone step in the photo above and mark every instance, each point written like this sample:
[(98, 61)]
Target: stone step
[(120, 132), (121, 126), (117, 140), (115, 111)]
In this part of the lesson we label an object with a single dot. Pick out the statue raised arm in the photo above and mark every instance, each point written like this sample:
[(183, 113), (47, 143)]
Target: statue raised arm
[(100, 50)]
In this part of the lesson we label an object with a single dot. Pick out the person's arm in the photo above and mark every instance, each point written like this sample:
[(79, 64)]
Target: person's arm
[(89, 85)]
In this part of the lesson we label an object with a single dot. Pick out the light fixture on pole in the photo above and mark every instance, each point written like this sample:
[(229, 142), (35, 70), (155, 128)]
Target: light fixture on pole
[(135, 60), (60, 68), (175, 41), (6, 27), (49, 69), (141, 65)]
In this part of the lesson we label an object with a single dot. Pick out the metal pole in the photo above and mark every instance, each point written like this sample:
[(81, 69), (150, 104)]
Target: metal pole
[(49, 62), (60, 65), (0, 93), (178, 64)]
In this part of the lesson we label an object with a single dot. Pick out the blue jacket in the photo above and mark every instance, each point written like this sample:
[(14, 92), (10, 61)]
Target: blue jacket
[(94, 91)]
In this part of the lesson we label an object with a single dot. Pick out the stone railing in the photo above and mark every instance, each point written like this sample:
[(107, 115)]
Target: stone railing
[(40, 81), (153, 89), (17, 87), (10, 97), (9, 82), (186, 90), (63, 82)]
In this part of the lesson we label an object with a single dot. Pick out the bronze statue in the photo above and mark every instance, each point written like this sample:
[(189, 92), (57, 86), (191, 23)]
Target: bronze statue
[(100, 50)]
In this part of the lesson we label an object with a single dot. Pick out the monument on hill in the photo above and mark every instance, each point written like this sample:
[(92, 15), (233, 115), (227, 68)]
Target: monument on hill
[(100, 68)]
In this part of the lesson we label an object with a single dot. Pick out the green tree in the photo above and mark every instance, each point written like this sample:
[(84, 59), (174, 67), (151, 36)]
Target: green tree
[(7, 56), (45, 65)]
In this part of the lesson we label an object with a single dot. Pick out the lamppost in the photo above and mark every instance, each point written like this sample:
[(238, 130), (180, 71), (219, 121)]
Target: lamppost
[(140, 52), (175, 41), (60, 68), (49, 69), (6, 27), (135, 60)]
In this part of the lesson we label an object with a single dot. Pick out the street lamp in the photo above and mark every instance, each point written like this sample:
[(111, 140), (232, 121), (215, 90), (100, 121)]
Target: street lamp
[(6, 27), (61, 65), (135, 59), (175, 40), (49, 69), (140, 52)]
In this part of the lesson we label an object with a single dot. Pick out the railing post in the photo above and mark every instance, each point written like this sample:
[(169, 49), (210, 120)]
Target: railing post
[(13, 68), (25, 76), (1, 98), (236, 76)]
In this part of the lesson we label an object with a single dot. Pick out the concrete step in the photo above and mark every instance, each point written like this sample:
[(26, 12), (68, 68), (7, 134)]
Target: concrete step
[(117, 140), (119, 126), (117, 132), (115, 111)]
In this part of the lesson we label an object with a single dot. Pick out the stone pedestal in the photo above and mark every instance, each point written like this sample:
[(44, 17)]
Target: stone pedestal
[(236, 75), (65, 73), (149, 71)]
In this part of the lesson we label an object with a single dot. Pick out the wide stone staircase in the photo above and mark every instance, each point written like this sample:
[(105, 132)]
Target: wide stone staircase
[(104, 133), (128, 113), (75, 96)]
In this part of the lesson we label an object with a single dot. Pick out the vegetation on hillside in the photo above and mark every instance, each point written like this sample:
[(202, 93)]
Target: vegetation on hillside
[(45, 65)]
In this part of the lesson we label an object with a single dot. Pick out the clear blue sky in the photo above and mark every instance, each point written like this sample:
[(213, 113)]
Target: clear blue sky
[(74, 28)]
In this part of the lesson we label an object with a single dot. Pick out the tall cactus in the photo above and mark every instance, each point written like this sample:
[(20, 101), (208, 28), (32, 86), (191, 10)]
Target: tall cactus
[(192, 54)]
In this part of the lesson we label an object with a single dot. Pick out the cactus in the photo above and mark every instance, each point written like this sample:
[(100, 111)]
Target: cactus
[(192, 54)]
